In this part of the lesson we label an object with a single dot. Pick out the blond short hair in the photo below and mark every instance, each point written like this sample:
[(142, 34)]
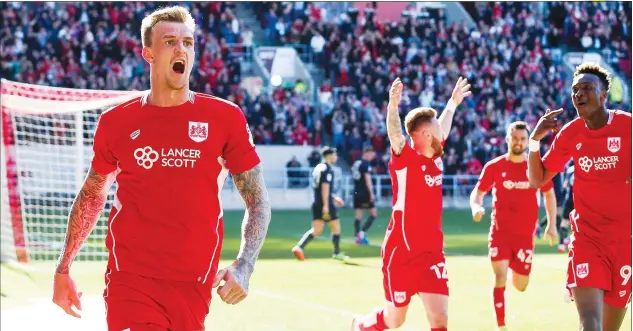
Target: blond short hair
[(418, 116), (176, 14)]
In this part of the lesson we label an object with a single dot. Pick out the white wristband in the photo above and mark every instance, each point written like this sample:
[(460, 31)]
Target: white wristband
[(534, 146), (451, 106)]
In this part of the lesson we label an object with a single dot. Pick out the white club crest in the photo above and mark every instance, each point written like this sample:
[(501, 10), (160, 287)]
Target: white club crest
[(582, 270), (439, 163), (613, 144), (399, 297), (198, 131)]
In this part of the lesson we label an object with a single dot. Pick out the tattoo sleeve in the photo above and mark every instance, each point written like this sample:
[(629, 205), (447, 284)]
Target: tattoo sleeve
[(84, 213), (394, 129), (251, 186)]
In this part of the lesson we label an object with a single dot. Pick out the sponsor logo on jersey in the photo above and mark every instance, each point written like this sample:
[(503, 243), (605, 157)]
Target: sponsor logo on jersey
[(399, 297), (597, 163), (503, 174), (622, 293), (198, 131), (613, 144), (582, 270), (433, 180), (146, 157), (509, 185), (578, 145), (135, 134)]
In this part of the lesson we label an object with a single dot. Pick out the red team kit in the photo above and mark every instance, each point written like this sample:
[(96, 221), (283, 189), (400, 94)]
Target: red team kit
[(412, 252), (170, 145), (600, 247), (514, 212)]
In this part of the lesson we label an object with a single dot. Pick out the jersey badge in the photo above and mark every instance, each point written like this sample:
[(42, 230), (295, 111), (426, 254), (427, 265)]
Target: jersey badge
[(439, 163), (198, 131), (613, 143)]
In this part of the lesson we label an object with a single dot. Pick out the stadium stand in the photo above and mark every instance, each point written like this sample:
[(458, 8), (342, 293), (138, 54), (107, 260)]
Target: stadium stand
[(516, 73)]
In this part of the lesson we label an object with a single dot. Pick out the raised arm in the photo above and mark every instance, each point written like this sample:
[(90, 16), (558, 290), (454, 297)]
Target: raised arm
[(394, 125), (537, 174), (460, 91), (84, 214), (253, 190)]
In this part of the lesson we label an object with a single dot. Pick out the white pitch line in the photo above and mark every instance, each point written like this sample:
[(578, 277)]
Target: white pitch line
[(314, 305)]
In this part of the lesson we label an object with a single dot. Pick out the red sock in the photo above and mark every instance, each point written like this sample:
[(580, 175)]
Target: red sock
[(439, 329), (375, 321), (498, 297)]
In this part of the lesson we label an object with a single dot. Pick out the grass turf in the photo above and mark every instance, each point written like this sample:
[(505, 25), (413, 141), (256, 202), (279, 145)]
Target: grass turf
[(322, 294)]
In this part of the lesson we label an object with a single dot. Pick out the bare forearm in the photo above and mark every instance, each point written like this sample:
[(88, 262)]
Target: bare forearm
[(84, 214), (536, 170), (325, 193), (550, 208), (257, 217), (370, 186), (476, 199), (394, 129), (446, 118)]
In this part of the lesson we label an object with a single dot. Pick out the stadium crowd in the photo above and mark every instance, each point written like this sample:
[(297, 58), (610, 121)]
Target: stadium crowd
[(513, 58)]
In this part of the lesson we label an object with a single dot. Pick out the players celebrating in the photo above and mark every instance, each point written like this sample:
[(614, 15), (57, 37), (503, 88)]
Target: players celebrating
[(412, 253), (364, 198), (514, 215), (323, 207), (170, 152), (599, 141)]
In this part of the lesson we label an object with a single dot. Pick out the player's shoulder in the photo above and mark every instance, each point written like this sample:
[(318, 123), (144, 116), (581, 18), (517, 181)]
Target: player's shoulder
[(321, 167), (573, 126), (123, 108), (217, 104), (621, 116), (497, 161)]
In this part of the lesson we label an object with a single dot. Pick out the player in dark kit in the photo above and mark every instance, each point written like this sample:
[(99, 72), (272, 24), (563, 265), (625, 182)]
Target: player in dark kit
[(170, 152), (599, 142), (364, 198), (324, 207)]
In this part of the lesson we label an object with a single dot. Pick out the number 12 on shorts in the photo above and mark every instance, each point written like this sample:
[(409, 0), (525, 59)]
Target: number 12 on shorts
[(525, 255), (440, 270)]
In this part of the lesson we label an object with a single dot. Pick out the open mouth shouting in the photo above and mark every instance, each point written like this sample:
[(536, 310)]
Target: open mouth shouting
[(178, 67)]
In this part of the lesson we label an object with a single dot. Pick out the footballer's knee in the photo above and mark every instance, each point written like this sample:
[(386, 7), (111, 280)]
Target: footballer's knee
[(520, 282), (500, 278), (590, 322), (438, 319), (316, 231)]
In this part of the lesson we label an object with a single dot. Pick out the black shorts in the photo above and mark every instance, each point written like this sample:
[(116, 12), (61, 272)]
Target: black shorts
[(317, 212), (362, 201)]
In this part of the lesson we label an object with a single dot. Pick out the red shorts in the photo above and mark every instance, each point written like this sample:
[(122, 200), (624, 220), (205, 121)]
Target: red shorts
[(406, 274), (601, 265), (519, 251), (138, 303)]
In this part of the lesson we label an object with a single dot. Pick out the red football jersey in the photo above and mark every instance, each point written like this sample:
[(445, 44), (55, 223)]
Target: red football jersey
[(171, 163), (515, 204), (416, 219), (602, 175)]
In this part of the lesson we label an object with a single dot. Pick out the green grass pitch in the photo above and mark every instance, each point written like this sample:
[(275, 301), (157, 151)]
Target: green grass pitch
[(321, 294)]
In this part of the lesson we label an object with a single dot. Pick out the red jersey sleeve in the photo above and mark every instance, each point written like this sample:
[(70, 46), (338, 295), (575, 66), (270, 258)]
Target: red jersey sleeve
[(547, 186), (558, 154), (486, 178), (401, 161), (103, 160), (239, 151)]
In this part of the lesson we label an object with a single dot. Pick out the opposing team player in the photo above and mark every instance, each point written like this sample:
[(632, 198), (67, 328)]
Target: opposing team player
[(599, 141), (514, 216), (170, 152), (364, 197), (324, 207), (412, 254)]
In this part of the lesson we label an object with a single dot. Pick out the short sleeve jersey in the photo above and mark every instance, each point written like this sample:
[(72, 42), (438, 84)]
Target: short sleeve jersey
[(171, 164), (321, 174), (416, 221), (359, 169), (602, 175), (515, 203)]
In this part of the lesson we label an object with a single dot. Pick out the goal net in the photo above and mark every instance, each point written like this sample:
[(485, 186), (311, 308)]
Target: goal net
[(47, 148)]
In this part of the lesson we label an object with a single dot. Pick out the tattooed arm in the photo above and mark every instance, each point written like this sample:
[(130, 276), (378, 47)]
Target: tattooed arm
[(84, 213), (256, 219), (394, 127)]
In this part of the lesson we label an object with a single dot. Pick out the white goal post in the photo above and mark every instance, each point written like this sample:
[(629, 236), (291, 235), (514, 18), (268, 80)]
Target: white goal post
[(47, 136)]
